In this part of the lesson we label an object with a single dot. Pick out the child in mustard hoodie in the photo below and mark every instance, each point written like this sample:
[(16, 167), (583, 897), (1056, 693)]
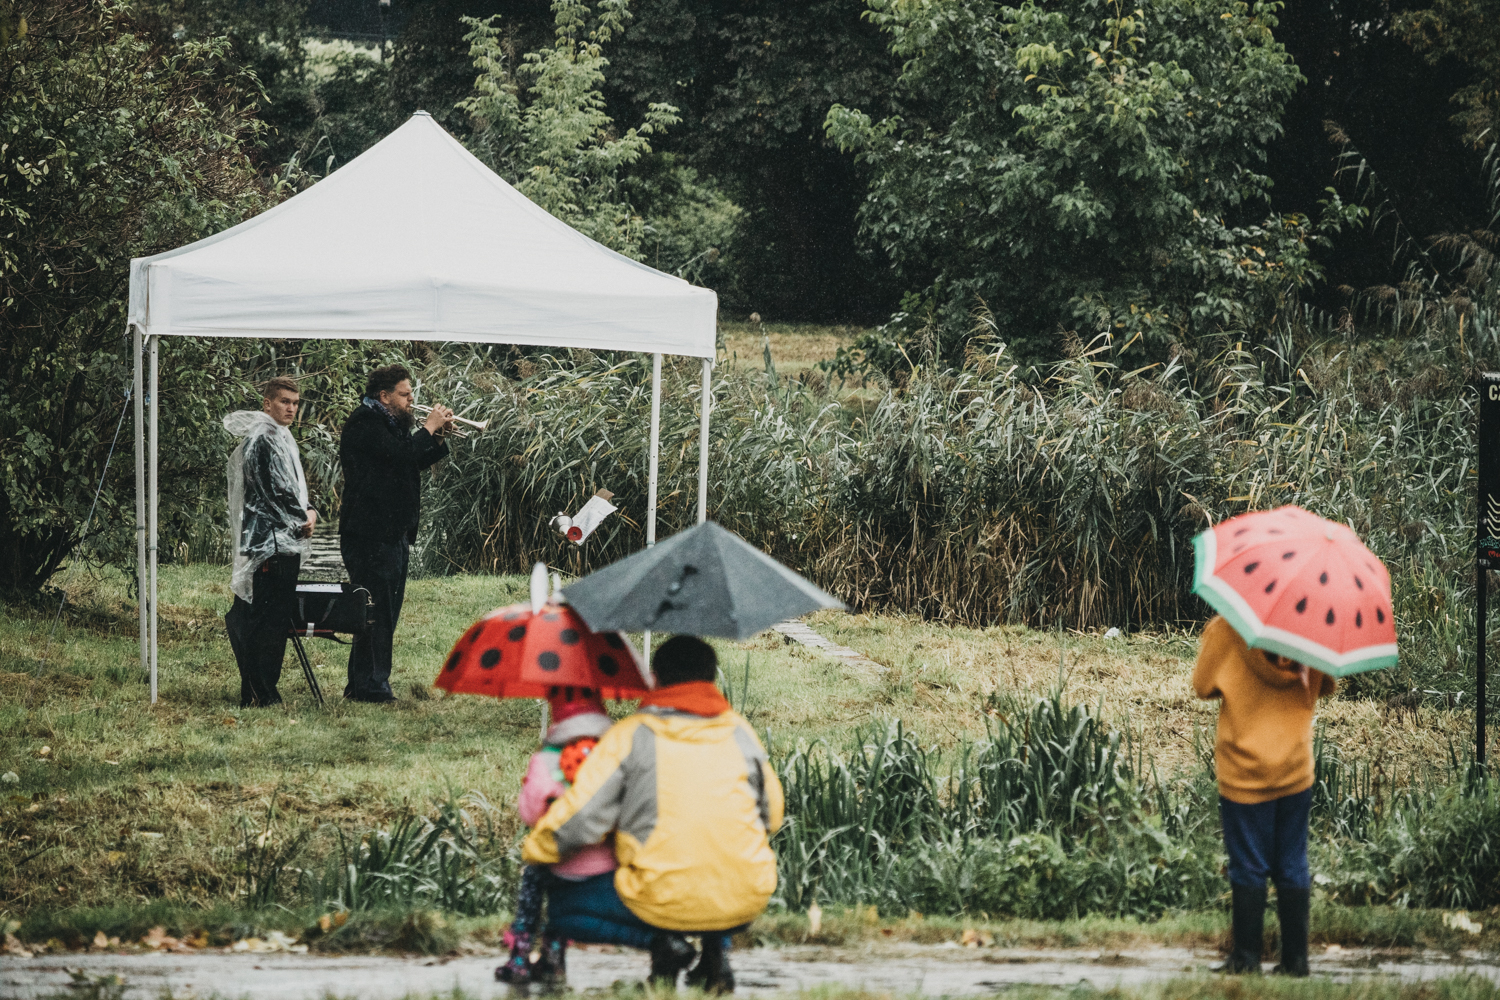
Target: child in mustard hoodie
[(1263, 756)]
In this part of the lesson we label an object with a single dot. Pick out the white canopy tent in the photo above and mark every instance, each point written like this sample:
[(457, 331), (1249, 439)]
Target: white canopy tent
[(413, 240)]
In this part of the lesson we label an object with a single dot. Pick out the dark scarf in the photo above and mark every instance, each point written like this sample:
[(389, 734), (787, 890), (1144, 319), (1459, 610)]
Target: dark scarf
[(398, 421)]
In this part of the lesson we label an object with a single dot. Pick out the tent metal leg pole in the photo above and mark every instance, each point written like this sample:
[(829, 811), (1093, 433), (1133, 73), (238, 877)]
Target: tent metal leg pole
[(155, 343), (655, 447), (140, 492), (705, 403), (651, 476)]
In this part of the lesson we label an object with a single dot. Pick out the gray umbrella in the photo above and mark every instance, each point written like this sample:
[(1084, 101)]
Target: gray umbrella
[(703, 581)]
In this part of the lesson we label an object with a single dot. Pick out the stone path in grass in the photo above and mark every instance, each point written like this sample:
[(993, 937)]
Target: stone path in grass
[(894, 970), (796, 631)]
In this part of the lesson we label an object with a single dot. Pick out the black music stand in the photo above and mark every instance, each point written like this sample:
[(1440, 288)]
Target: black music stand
[(325, 611)]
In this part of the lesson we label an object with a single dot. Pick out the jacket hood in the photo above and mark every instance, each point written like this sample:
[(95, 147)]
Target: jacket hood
[(686, 727), (1273, 676), (243, 423)]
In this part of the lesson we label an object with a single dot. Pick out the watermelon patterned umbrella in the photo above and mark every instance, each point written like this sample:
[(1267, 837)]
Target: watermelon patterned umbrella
[(514, 652), (1293, 583)]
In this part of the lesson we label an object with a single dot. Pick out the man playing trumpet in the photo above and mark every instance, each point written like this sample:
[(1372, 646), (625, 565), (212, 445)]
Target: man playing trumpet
[(383, 460)]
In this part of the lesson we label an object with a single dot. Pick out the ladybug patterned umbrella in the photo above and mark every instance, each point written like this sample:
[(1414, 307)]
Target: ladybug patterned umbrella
[(1296, 584), (513, 652)]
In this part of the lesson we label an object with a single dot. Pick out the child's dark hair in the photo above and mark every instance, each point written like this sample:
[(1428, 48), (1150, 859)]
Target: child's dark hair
[(684, 658)]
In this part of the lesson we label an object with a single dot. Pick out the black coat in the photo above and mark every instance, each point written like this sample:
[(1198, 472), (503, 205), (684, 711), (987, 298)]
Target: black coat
[(382, 476)]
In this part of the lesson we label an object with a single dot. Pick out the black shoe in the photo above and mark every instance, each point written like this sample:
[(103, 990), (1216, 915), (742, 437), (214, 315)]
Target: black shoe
[(712, 974), (371, 699), (1248, 930), (1292, 910), (670, 954)]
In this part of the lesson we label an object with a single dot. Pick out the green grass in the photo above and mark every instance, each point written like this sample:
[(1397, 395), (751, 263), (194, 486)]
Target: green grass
[(134, 803), (796, 348), (137, 815)]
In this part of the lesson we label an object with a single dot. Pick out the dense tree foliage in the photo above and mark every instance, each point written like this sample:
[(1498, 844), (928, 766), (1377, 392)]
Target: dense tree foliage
[(557, 146), (1045, 171), (1373, 106), (1083, 167), (118, 142), (1467, 31), (753, 80)]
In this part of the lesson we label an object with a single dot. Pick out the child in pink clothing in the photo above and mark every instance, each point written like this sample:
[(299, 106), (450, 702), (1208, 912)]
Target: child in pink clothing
[(578, 720)]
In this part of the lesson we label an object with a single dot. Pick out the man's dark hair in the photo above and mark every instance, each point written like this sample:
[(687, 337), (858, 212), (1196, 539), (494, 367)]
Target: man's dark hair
[(277, 384), (684, 658), (385, 379)]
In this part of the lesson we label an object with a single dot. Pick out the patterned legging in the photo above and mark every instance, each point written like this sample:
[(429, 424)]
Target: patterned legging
[(533, 891)]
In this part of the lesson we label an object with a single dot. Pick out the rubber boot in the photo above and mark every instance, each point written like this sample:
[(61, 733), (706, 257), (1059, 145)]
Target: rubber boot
[(1292, 909), (517, 968), (551, 969), (1249, 929), (712, 974), (670, 954)]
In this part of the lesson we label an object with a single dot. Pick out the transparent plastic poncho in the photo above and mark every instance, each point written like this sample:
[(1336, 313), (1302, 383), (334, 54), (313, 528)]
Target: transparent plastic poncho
[(267, 514)]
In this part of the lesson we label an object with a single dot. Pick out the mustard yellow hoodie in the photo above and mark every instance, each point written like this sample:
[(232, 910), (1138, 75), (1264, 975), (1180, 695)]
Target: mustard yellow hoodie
[(1264, 746), (693, 803)]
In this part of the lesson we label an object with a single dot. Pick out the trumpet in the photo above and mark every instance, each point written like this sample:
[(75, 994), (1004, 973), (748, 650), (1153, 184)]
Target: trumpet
[(478, 425)]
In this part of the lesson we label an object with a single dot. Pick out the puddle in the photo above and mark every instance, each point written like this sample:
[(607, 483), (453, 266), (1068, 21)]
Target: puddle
[(897, 971)]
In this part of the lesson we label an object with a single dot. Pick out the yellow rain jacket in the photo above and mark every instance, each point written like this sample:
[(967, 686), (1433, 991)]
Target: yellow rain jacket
[(692, 801)]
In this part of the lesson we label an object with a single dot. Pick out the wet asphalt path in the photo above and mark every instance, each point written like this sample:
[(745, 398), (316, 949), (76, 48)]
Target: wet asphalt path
[(898, 971)]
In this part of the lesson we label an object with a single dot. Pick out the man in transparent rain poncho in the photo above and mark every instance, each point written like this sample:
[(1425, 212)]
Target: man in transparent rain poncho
[(270, 522)]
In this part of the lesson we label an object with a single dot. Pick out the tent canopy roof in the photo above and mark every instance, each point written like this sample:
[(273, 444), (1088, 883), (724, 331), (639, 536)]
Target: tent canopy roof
[(416, 239)]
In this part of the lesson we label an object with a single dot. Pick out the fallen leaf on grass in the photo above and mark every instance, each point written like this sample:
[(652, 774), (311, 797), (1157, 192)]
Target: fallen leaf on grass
[(114, 857), (230, 720)]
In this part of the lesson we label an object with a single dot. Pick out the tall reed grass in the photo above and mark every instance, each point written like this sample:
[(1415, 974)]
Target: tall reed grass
[(992, 494), (1065, 495), (1053, 815)]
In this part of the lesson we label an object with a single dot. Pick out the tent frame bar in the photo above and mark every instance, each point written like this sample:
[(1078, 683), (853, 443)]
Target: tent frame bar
[(141, 587), (147, 482)]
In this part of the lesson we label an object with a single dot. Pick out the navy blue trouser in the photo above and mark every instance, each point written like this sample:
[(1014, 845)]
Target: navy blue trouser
[(1267, 840), (592, 911)]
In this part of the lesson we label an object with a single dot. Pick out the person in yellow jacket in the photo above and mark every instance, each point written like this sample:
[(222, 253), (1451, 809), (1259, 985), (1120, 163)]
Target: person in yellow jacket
[(686, 791), (1263, 758)]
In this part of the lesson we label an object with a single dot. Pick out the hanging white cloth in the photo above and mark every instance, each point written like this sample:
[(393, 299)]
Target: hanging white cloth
[(267, 515)]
